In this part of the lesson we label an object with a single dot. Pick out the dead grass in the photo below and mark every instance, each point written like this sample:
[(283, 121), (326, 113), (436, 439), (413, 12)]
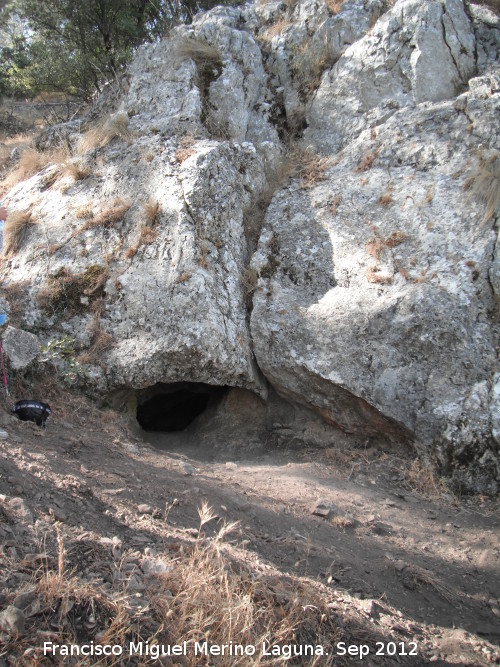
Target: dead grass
[(366, 162), (15, 293), (201, 52), (75, 171), (277, 28), (208, 593), (186, 149), (214, 599), (341, 522), (485, 184), (386, 199), (109, 215), (414, 577), (66, 293), (31, 162), (84, 212), (333, 207), (147, 233), (334, 6), (147, 236), (377, 244), (306, 165), (396, 238), (421, 477), (374, 274), (16, 230), (99, 136), (183, 278), (249, 280), (152, 210)]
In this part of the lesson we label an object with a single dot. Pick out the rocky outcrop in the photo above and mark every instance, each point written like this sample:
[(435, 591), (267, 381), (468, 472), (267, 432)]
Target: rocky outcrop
[(374, 288), (21, 347)]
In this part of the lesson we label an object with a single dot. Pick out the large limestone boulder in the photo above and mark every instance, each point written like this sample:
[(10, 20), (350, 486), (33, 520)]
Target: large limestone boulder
[(378, 285), (143, 260), (416, 52), (21, 347)]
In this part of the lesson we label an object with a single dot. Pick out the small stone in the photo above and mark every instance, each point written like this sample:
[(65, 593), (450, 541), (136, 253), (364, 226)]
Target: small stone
[(155, 566), (321, 508), (24, 599), (145, 509), (231, 466), (12, 621), (135, 585), (20, 506), (58, 514), (399, 565), (188, 469)]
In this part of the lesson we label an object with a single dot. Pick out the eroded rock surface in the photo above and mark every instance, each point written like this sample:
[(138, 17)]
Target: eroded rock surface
[(375, 283)]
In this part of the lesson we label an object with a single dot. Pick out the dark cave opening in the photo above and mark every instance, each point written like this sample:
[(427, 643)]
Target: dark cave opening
[(171, 408)]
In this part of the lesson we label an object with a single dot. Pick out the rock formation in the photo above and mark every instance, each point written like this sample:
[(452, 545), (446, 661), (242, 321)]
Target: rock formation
[(365, 289)]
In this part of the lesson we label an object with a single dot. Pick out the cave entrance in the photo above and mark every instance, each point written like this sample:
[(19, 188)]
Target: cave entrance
[(173, 407)]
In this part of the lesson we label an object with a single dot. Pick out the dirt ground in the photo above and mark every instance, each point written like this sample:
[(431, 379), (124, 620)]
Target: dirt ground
[(396, 559)]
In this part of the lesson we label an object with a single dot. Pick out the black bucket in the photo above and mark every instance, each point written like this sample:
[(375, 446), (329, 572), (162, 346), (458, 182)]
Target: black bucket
[(32, 411)]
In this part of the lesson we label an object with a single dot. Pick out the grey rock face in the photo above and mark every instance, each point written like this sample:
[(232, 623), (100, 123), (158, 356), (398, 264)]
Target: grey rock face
[(21, 347), (376, 288), (378, 276), (417, 52)]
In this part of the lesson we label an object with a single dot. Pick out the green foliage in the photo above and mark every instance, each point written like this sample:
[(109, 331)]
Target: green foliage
[(74, 46), (60, 353), (14, 64)]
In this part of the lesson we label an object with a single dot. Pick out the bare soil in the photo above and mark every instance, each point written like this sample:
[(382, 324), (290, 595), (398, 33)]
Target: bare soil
[(391, 563)]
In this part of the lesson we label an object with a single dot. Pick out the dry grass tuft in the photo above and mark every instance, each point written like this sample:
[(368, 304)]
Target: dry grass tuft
[(333, 207), (75, 171), (67, 292), (375, 274), (16, 230), (30, 163), (415, 576), (341, 522), (277, 28), (183, 278), (385, 199), (186, 149), (213, 600), (99, 136), (376, 245), (109, 216), (147, 236), (395, 239), (366, 162), (334, 6), (249, 279), (306, 165), (152, 210), (197, 50), (485, 184), (421, 477)]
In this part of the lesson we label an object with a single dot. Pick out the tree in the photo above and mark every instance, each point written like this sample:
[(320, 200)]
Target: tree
[(76, 45)]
